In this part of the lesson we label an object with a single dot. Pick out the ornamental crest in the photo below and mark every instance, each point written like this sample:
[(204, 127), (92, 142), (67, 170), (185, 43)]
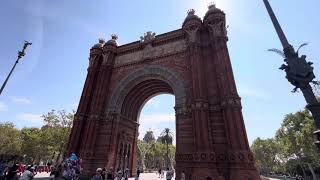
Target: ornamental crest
[(148, 37)]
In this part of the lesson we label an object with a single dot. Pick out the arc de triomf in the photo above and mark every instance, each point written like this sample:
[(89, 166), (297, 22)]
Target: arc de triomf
[(193, 64)]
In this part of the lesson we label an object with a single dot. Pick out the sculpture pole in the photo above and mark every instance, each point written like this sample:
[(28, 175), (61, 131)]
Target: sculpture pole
[(299, 72), (20, 55)]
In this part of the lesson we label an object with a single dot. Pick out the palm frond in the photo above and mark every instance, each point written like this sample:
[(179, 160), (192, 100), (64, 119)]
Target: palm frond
[(278, 52), (302, 45)]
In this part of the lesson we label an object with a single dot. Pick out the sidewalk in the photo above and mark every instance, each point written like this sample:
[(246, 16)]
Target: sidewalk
[(149, 176)]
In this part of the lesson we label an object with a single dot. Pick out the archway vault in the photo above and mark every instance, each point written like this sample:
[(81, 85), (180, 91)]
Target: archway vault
[(146, 82)]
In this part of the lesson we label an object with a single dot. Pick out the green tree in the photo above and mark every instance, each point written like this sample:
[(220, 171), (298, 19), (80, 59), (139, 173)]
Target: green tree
[(167, 138), (267, 154), (157, 156), (38, 144), (143, 149), (149, 137), (10, 141), (296, 140), (57, 126), (32, 144)]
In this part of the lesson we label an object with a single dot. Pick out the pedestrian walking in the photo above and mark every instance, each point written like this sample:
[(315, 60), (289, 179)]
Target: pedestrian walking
[(169, 174), (110, 174), (104, 173), (162, 174), (97, 176), (159, 172), (138, 172), (119, 175), (28, 174), (183, 176), (126, 174), (12, 173)]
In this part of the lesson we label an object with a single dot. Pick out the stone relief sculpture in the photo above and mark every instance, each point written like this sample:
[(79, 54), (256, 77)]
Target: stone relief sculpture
[(105, 58), (218, 29), (148, 51), (192, 33), (192, 26), (148, 37)]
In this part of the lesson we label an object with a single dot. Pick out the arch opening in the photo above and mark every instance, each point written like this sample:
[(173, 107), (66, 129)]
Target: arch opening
[(128, 100), (156, 119), (140, 94), (156, 115)]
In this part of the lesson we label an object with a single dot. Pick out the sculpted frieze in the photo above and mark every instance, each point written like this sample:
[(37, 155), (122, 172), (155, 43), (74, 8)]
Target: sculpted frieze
[(150, 52), (234, 157)]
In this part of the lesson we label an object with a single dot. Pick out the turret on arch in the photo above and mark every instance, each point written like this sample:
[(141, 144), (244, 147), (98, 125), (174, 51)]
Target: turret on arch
[(193, 64)]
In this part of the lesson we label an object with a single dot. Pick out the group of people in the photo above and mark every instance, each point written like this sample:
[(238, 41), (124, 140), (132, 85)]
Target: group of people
[(16, 171), (110, 174), (104, 174), (69, 169), (169, 174)]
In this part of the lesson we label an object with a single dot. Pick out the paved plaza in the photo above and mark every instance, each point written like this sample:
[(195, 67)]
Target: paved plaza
[(149, 176), (143, 176)]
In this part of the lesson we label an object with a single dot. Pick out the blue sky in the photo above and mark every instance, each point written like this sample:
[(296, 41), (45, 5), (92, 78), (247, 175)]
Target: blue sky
[(52, 74)]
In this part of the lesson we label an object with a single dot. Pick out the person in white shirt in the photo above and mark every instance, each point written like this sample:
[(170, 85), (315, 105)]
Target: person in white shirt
[(27, 174)]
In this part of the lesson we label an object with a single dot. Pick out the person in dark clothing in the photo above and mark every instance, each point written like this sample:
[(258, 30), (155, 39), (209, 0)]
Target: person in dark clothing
[(110, 174), (209, 178), (138, 172), (159, 172), (104, 173), (12, 173)]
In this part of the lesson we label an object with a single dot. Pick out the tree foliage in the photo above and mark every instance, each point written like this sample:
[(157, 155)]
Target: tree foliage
[(149, 137), (167, 138), (38, 144), (154, 155), (292, 150), (10, 140), (266, 153)]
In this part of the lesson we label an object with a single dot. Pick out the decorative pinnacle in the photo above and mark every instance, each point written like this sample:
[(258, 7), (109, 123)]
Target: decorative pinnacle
[(191, 12), (101, 40), (114, 37), (211, 5)]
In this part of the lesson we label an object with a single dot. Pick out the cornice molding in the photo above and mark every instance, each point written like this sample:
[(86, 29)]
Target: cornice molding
[(171, 36)]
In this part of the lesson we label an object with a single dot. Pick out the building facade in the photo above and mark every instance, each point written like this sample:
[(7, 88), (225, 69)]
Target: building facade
[(193, 64)]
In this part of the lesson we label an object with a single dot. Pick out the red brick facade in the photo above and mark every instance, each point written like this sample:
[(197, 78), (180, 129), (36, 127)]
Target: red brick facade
[(193, 64)]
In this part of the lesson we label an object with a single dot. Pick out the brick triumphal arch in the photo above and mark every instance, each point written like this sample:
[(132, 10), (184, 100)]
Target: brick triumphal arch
[(193, 64)]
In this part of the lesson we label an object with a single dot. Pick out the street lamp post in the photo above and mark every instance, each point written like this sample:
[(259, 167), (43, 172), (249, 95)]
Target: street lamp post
[(20, 55), (299, 72)]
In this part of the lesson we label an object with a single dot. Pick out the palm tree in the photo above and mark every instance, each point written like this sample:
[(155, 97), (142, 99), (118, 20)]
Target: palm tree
[(167, 138)]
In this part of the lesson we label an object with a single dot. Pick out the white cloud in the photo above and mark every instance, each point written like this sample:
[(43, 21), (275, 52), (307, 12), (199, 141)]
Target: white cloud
[(150, 119), (30, 120), (155, 122), (3, 106), (20, 100)]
